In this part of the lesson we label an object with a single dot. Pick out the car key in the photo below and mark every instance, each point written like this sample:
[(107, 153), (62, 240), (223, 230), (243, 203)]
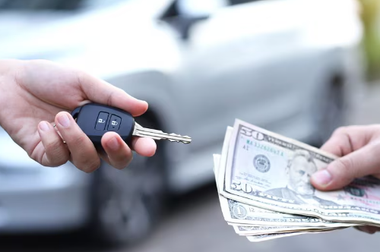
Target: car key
[(96, 119)]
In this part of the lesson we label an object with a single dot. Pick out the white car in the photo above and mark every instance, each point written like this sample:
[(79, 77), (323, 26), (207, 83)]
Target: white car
[(290, 66)]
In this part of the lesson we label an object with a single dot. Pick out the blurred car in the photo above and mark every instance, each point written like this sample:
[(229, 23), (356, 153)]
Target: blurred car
[(291, 66)]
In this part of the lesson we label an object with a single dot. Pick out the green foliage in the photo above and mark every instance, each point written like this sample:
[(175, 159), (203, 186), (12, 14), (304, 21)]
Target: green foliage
[(371, 20)]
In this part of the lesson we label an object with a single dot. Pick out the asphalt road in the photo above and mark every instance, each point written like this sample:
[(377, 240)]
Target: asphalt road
[(195, 222)]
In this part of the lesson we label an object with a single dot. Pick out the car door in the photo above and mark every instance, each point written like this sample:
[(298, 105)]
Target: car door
[(241, 62)]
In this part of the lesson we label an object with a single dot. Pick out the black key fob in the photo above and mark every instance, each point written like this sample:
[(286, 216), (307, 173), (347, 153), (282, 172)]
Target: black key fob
[(96, 119)]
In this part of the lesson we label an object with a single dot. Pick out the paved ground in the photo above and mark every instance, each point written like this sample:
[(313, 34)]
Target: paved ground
[(196, 223)]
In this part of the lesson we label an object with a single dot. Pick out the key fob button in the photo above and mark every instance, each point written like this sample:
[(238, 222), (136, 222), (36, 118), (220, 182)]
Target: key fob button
[(101, 121), (114, 123), (96, 119)]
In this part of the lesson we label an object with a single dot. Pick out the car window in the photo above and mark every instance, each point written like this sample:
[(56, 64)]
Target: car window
[(196, 8), (204, 8), (39, 4), (58, 5), (236, 2)]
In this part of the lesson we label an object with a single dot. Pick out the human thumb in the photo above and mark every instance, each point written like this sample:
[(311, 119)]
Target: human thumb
[(342, 171)]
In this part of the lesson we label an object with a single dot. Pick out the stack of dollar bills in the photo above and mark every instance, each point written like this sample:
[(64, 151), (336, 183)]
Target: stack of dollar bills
[(263, 182)]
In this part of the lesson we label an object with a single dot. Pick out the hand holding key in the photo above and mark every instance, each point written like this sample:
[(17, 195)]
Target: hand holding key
[(96, 119), (32, 96)]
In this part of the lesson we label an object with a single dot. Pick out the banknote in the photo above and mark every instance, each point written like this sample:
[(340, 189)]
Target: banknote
[(267, 237), (282, 204), (240, 213), (262, 230), (270, 171)]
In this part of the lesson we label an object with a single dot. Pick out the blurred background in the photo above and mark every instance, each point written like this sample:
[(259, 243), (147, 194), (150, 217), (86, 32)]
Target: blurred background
[(370, 10), (300, 68)]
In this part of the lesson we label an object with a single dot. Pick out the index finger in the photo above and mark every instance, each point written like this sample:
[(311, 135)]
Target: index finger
[(100, 91), (338, 144), (345, 140)]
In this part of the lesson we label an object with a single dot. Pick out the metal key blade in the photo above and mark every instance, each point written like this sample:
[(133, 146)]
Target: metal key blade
[(159, 135)]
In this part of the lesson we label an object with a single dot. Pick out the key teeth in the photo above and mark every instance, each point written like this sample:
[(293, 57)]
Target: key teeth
[(187, 141), (180, 141)]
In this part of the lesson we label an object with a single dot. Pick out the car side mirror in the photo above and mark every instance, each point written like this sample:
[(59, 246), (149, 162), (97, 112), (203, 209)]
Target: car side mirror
[(181, 22), (186, 23)]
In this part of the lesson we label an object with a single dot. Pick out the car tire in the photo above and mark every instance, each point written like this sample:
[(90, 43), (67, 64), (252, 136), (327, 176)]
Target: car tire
[(128, 203)]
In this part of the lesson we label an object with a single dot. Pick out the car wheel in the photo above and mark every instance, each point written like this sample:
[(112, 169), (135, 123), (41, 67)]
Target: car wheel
[(127, 203)]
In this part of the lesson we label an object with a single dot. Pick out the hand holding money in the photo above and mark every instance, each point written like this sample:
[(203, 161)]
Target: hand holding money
[(264, 188), (359, 148)]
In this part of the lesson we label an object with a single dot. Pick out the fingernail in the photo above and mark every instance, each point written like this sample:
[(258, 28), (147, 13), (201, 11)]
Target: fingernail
[(113, 144), (146, 103), (141, 100), (322, 177), (44, 126), (64, 120)]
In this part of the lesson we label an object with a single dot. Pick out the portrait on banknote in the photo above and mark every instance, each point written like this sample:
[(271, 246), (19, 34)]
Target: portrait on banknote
[(299, 169)]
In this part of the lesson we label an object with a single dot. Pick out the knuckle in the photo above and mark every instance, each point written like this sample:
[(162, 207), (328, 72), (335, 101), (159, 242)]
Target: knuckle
[(376, 146), (344, 164), (345, 168), (89, 166), (121, 162), (78, 140), (57, 162), (56, 153), (341, 130), (121, 158), (83, 153), (36, 156), (53, 147), (375, 127)]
